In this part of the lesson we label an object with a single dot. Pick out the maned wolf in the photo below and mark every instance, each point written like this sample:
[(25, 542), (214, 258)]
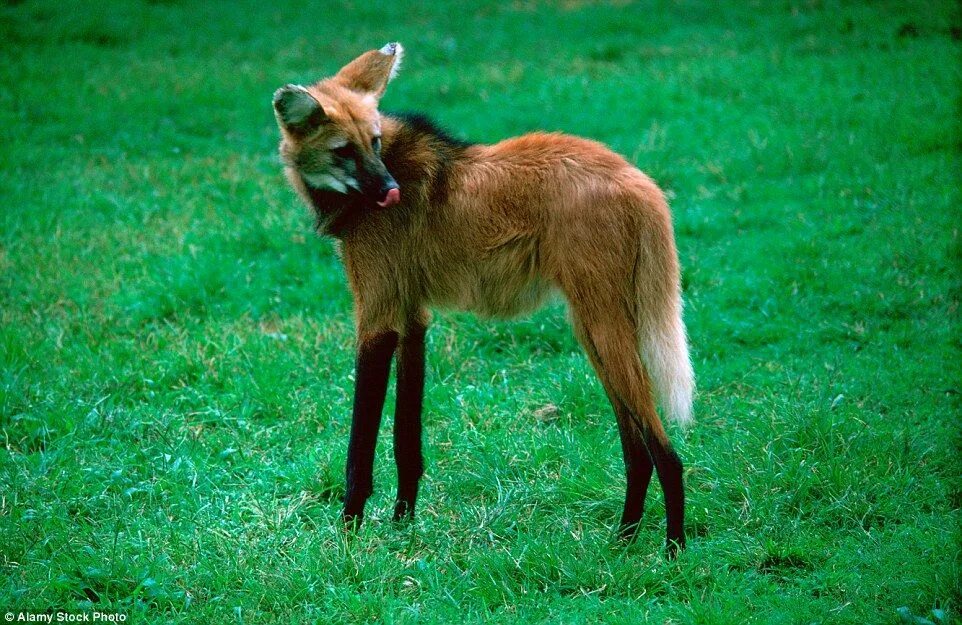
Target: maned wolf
[(425, 220)]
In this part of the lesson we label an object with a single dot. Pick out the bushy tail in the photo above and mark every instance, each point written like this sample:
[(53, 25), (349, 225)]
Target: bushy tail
[(662, 342), (664, 349)]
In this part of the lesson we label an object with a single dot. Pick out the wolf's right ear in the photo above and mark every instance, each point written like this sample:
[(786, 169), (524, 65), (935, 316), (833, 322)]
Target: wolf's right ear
[(297, 110), (372, 71)]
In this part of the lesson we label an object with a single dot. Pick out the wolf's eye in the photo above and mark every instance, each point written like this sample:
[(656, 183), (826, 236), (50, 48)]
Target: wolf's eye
[(345, 151), (376, 144)]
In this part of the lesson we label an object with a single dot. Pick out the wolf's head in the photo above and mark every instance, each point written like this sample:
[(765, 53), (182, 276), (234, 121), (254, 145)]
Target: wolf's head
[(331, 131)]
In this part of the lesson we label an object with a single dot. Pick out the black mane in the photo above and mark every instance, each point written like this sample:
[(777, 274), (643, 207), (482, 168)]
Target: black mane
[(338, 213), (422, 124), (415, 133)]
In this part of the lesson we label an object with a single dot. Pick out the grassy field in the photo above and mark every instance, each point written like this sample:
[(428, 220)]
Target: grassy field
[(176, 346)]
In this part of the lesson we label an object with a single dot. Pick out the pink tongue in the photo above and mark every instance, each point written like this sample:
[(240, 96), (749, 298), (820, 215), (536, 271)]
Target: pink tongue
[(393, 197)]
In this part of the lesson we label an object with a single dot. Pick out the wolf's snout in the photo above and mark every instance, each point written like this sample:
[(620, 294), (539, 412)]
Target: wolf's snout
[(390, 195)]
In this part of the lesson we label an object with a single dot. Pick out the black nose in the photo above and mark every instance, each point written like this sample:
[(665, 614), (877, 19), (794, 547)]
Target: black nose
[(390, 194), (386, 186)]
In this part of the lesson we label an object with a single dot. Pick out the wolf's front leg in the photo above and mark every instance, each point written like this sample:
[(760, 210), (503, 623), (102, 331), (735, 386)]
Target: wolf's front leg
[(407, 416), (373, 366)]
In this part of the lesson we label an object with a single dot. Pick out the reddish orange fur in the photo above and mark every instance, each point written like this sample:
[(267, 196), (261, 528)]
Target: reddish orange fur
[(524, 215), (514, 221)]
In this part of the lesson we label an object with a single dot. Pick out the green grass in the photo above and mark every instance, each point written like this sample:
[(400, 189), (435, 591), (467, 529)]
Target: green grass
[(176, 346)]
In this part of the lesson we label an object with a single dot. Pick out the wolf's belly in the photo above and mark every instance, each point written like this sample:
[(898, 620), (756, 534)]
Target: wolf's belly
[(493, 293)]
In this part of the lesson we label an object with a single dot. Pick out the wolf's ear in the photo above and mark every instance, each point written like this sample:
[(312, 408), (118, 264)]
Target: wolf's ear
[(297, 110), (372, 71)]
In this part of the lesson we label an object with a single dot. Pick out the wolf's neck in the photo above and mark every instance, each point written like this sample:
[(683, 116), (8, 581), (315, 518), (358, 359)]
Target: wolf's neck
[(420, 156)]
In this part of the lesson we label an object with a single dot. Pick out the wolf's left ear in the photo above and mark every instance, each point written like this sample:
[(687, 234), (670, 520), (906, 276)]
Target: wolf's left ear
[(372, 71), (297, 110)]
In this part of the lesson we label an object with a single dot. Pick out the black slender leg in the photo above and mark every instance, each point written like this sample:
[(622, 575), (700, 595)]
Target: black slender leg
[(373, 366), (638, 470), (407, 420), (669, 469), (638, 462)]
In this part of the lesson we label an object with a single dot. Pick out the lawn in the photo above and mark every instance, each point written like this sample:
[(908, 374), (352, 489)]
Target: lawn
[(176, 344)]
